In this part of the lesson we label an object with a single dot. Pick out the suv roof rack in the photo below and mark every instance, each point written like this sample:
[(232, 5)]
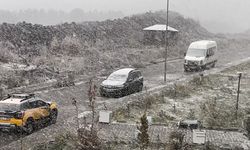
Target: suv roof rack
[(24, 96)]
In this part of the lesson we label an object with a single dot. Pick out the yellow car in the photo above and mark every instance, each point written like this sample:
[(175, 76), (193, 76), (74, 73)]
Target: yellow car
[(25, 112)]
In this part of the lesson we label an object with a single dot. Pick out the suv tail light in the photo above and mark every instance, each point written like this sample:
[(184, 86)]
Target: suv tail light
[(19, 114)]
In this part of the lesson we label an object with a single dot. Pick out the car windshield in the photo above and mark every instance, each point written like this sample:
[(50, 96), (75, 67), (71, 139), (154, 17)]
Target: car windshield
[(196, 52), (118, 77), (9, 107)]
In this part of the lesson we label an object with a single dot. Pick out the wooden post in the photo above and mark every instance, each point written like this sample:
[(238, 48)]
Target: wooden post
[(238, 95)]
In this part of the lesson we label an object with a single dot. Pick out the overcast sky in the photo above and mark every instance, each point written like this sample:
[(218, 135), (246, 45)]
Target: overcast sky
[(128, 6), (206, 11)]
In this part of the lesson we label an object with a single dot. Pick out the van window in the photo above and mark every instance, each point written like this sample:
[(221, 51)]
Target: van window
[(210, 51), (196, 52)]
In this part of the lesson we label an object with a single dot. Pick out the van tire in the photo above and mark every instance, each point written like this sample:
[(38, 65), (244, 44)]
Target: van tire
[(185, 69), (213, 65), (203, 67)]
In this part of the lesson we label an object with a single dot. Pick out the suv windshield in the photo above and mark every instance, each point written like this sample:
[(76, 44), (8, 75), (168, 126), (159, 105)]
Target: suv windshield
[(9, 107), (196, 52), (118, 77)]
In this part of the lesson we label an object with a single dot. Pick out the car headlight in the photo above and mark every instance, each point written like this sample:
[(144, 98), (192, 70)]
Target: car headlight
[(120, 86)]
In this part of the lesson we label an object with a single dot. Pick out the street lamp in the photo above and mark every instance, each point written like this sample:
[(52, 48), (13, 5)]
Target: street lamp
[(166, 46), (165, 28)]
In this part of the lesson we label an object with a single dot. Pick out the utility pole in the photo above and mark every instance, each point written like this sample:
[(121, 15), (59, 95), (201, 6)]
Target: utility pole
[(238, 95), (166, 46)]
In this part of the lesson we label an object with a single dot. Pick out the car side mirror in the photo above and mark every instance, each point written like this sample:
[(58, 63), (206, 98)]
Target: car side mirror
[(130, 80)]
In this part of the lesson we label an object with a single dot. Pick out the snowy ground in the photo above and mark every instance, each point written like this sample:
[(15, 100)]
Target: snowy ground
[(153, 77)]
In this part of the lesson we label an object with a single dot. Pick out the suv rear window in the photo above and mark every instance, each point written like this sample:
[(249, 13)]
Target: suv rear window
[(135, 75), (9, 107)]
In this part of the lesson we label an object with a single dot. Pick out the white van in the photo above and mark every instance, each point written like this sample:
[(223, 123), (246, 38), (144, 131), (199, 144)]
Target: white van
[(200, 55)]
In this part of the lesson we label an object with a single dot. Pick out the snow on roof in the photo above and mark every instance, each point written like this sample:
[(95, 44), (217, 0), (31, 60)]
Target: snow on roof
[(124, 71), (160, 27), (12, 101), (190, 121), (203, 44), (16, 98)]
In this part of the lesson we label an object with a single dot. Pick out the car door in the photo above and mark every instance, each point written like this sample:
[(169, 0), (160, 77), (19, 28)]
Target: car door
[(43, 109), (33, 110), (134, 81), (138, 80)]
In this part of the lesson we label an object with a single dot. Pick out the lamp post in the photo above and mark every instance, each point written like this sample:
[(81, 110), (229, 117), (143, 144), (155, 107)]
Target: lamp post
[(166, 46)]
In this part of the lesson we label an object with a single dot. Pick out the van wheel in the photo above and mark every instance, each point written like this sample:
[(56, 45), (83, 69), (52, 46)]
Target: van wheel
[(203, 67), (186, 69), (29, 127), (213, 65)]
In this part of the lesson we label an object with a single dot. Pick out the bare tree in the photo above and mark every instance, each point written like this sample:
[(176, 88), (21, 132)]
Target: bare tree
[(74, 102), (88, 137)]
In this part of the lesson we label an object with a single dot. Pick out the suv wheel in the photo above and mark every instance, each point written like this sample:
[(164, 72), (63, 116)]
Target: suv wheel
[(53, 116), (29, 127)]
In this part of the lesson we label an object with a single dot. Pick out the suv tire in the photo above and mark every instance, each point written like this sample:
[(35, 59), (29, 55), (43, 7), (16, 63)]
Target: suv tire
[(29, 127), (53, 116)]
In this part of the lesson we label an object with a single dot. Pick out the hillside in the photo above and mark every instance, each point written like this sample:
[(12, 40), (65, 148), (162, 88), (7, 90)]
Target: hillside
[(92, 47), (117, 31)]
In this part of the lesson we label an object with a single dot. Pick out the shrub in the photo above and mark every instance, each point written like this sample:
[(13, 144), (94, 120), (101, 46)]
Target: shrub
[(217, 114), (178, 91), (6, 55), (247, 125), (176, 140), (65, 140), (55, 46), (71, 46), (143, 137)]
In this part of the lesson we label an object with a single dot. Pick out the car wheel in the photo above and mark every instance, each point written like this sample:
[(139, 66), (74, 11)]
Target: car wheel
[(203, 67), (213, 65), (53, 116), (103, 94), (29, 127), (185, 69), (140, 88)]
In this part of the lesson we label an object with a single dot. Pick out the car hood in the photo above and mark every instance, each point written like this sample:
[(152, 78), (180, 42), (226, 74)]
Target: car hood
[(112, 83), (192, 58)]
